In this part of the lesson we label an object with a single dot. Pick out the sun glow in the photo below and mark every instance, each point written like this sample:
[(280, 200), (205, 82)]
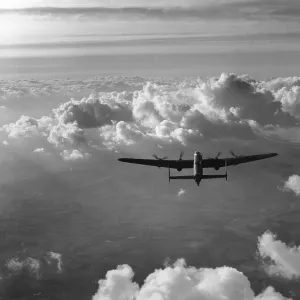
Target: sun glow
[(10, 30), (20, 29), (14, 4)]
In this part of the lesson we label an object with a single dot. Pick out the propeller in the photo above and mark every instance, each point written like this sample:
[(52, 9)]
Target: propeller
[(216, 157), (217, 166), (232, 153), (181, 155), (159, 158)]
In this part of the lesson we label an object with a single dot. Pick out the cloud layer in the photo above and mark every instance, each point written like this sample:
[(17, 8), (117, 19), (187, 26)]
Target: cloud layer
[(189, 112), (137, 114), (183, 282)]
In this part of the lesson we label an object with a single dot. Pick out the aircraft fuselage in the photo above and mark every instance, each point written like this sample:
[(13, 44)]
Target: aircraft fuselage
[(198, 168)]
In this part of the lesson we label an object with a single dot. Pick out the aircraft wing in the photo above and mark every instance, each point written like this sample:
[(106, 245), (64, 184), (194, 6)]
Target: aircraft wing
[(161, 163), (232, 161)]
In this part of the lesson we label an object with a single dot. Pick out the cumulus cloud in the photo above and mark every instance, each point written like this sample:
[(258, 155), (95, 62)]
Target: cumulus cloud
[(293, 184), (62, 136), (24, 127), (167, 112), (121, 133), (73, 154), (284, 259), (181, 192), (181, 282), (270, 294), (216, 108), (95, 111), (117, 285)]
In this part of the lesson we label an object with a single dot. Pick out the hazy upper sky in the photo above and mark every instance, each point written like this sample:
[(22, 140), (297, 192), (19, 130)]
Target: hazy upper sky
[(247, 31)]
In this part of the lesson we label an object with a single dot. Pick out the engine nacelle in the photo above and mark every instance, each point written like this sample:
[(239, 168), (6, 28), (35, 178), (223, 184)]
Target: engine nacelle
[(179, 169)]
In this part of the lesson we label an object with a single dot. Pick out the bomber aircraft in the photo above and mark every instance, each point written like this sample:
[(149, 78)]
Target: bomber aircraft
[(198, 164)]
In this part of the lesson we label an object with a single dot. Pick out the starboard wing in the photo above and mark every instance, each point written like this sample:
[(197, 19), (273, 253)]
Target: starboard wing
[(161, 163), (232, 161)]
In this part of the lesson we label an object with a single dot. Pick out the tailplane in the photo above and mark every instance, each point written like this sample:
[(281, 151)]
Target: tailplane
[(202, 177), (182, 177), (213, 176)]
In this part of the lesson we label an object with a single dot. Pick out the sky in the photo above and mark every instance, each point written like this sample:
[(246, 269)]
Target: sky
[(85, 83), (218, 35)]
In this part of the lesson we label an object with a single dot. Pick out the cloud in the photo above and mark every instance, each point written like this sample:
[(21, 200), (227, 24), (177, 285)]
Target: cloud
[(224, 9), (289, 97), (285, 260), (148, 113), (275, 8), (39, 150), (73, 154), (64, 127), (293, 184), (58, 134), (270, 294), (121, 133), (181, 192), (216, 108), (55, 257), (36, 267), (117, 285), (16, 266), (44, 95), (95, 111), (24, 127), (181, 282)]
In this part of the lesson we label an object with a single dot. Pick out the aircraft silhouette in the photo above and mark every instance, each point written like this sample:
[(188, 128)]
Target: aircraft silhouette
[(198, 164)]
